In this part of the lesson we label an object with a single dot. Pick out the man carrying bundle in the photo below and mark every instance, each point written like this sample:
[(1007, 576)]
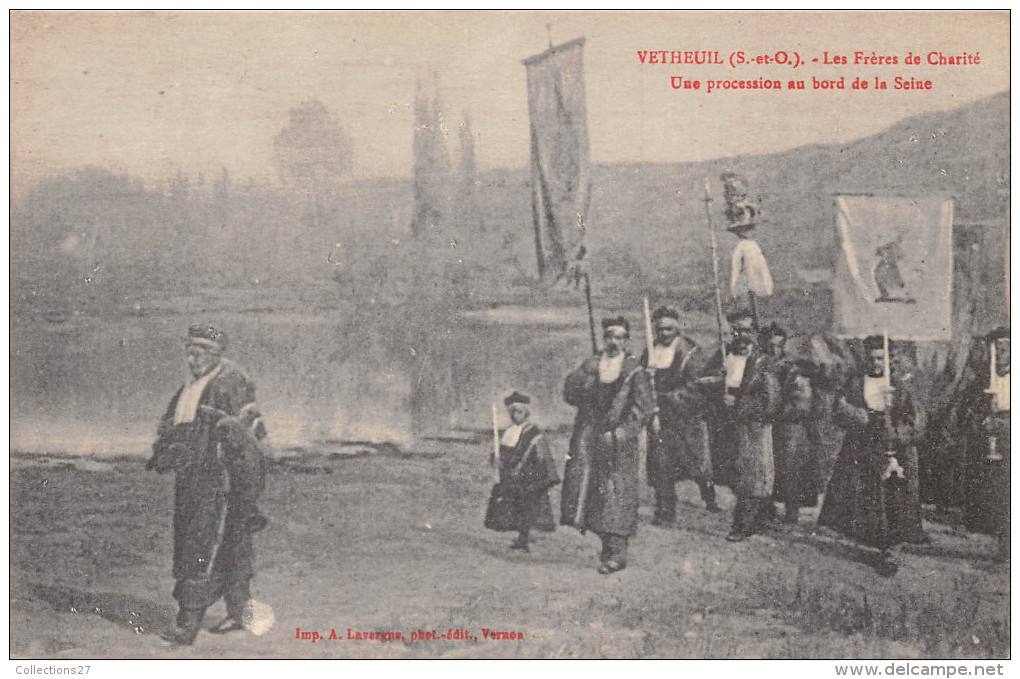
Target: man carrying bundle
[(211, 437)]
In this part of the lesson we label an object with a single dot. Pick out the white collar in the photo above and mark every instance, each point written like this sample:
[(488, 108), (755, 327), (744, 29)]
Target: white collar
[(191, 394), (663, 354), (512, 435), (735, 370), (1000, 391), (874, 390), (609, 368)]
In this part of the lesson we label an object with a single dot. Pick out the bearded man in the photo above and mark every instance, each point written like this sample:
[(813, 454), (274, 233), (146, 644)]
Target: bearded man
[(678, 446), (210, 437)]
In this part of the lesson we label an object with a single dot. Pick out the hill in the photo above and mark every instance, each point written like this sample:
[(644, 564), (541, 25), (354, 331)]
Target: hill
[(92, 238), (649, 220)]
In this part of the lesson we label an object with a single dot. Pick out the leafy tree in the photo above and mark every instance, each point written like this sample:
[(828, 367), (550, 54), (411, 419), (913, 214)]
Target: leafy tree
[(432, 167), (310, 155)]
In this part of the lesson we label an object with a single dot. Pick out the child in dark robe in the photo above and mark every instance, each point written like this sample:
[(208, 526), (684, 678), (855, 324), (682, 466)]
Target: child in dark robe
[(526, 473)]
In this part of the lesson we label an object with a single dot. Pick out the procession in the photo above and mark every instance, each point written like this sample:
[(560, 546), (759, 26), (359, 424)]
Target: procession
[(746, 415), (748, 418), (764, 409), (496, 335)]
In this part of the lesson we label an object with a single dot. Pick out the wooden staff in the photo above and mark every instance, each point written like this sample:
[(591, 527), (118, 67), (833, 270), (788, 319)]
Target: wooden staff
[(650, 345), (889, 431), (883, 516), (715, 269), (993, 373), (993, 383), (495, 437), (583, 250), (885, 358), (591, 314), (888, 385)]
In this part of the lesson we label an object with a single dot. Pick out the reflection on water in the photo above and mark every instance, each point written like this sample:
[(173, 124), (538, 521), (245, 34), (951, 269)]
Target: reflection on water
[(100, 386)]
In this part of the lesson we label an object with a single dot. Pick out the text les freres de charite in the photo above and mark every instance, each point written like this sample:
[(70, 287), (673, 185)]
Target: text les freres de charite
[(793, 60)]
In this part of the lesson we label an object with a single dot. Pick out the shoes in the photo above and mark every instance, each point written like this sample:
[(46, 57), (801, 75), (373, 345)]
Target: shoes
[(226, 626), (185, 635), (607, 567), (737, 536), (713, 507), (188, 623), (522, 546), (660, 520), (791, 519)]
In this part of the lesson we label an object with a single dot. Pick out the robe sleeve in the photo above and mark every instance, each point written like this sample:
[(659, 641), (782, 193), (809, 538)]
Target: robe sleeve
[(903, 415), (759, 398), (236, 398), (640, 402), (579, 384), (160, 459), (690, 397), (850, 416), (168, 417)]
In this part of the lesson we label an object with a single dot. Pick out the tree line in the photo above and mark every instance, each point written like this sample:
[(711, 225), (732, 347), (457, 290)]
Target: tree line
[(93, 239)]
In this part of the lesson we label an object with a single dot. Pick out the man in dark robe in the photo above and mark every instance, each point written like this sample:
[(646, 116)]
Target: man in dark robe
[(678, 446), (744, 398), (795, 443), (614, 402), (984, 415), (751, 396), (795, 439), (868, 498), (211, 438), (721, 426), (526, 473)]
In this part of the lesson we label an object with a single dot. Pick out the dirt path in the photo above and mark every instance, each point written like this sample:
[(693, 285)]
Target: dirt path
[(396, 544)]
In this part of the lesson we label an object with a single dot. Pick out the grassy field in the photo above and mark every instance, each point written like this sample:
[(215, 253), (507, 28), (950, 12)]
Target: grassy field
[(393, 541)]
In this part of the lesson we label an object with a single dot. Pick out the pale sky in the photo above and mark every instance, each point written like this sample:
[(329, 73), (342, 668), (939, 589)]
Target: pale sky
[(153, 93)]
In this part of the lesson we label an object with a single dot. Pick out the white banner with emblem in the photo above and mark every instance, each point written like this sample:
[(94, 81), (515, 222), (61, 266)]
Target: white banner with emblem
[(895, 267)]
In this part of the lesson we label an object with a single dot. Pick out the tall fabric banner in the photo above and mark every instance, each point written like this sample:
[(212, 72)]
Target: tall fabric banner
[(895, 267), (559, 155)]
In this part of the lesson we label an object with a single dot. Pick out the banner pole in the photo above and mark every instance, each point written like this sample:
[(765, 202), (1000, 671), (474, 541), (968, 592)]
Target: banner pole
[(494, 461), (715, 269), (649, 345), (587, 285)]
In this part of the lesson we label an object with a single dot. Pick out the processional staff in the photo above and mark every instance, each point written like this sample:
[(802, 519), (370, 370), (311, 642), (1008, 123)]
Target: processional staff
[(494, 460), (993, 389), (650, 345), (715, 269)]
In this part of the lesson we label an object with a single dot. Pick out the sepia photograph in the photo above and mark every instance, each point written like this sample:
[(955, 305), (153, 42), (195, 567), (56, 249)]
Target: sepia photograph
[(510, 335)]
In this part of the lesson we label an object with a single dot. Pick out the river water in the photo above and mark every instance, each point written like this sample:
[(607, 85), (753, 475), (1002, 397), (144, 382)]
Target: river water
[(99, 386)]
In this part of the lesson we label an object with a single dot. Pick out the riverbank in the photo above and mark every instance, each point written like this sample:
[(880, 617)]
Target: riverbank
[(390, 539)]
